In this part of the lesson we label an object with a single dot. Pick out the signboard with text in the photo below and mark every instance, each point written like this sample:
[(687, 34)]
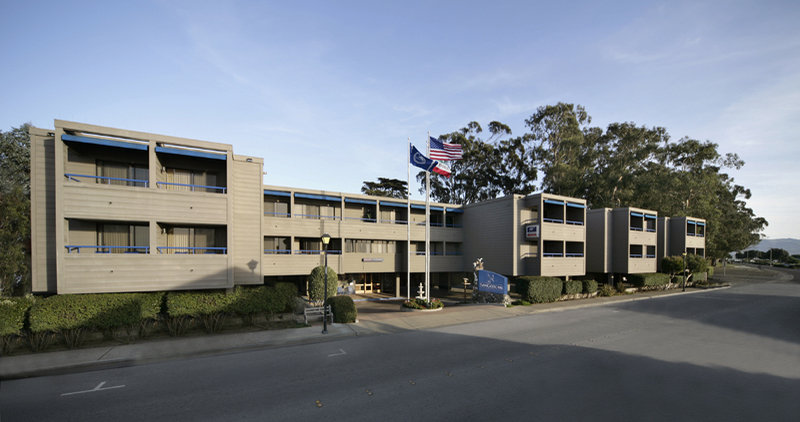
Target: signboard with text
[(492, 282), (532, 231)]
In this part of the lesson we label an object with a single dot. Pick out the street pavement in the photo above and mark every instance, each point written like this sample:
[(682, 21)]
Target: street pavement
[(730, 354)]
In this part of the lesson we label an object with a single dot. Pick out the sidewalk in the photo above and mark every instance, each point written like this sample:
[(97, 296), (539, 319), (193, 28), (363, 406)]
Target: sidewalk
[(374, 318)]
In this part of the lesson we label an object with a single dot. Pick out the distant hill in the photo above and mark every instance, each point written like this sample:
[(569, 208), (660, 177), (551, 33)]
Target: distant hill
[(791, 245)]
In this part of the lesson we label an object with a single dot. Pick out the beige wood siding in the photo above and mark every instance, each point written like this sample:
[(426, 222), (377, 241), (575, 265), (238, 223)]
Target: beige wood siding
[(560, 267), (247, 217), (99, 273), (43, 242), (295, 264), (124, 203)]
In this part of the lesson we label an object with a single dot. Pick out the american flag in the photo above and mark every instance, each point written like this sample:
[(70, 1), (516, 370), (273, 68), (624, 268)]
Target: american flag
[(443, 151)]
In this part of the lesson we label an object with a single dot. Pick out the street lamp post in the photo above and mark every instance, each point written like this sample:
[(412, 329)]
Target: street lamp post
[(325, 239), (684, 272)]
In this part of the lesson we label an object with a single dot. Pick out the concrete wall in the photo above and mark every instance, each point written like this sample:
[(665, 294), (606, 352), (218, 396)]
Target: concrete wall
[(248, 203), (43, 204)]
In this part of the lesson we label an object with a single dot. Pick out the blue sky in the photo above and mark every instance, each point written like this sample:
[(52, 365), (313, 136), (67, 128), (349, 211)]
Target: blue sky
[(328, 92)]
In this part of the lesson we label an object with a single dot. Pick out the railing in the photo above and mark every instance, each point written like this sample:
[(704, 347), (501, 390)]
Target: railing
[(650, 255), (316, 252), (574, 254), (369, 220), (552, 220), (319, 216), (99, 248), (649, 230), (74, 176), (278, 214), (277, 251), (552, 254), (636, 229), (192, 250), (403, 222), (690, 234), (575, 222), (635, 255), (222, 188)]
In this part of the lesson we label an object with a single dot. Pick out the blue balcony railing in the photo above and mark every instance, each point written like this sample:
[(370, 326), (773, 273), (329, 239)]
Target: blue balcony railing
[(552, 254), (651, 256), (278, 214), (574, 254), (369, 220), (277, 251), (575, 222), (190, 250), (636, 255), (552, 220), (135, 182), (215, 188), (108, 249), (636, 229)]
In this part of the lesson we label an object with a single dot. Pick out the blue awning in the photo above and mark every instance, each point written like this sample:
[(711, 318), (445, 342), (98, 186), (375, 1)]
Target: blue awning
[(691, 222), (650, 216), (422, 207), (191, 153), (636, 214), (318, 197), (393, 204), (276, 193), (700, 223), (455, 210), (554, 202), (573, 205), (104, 142), (359, 201)]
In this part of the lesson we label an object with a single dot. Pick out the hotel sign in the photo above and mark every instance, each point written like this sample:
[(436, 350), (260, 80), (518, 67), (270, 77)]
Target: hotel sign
[(532, 231), (492, 282)]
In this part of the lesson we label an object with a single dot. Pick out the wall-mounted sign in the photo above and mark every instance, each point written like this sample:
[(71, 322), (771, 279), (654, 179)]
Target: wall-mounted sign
[(492, 282), (532, 231), (371, 259)]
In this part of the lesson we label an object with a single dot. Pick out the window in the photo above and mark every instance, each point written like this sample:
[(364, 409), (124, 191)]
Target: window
[(651, 251), (370, 246), (191, 180), (121, 174), (636, 251), (387, 215), (122, 238), (574, 249), (194, 240), (277, 245), (276, 207), (310, 246), (552, 248)]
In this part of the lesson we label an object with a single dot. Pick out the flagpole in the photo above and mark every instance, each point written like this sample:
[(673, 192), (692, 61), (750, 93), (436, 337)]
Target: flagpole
[(428, 226), (408, 220)]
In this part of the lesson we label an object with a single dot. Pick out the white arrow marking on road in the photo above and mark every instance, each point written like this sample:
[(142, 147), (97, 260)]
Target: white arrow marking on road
[(98, 388), (341, 353)]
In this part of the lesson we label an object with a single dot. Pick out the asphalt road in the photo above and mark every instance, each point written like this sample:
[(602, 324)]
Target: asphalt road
[(719, 355)]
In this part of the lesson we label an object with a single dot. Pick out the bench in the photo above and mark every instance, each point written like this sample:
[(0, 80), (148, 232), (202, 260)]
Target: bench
[(316, 311)]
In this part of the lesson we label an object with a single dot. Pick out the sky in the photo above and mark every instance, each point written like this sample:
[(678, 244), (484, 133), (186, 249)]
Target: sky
[(328, 92)]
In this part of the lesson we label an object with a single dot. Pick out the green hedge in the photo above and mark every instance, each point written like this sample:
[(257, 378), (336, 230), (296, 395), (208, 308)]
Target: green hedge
[(198, 303), (287, 292), (93, 311), (343, 308), (572, 287), (589, 286), (538, 289), (316, 283), (12, 315), (649, 279), (256, 300)]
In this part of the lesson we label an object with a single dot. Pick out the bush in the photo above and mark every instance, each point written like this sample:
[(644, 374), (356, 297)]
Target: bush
[(710, 271), (211, 307), (316, 284), (72, 315), (12, 320), (589, 286), (538, 289), (649, 280), (343, 308), (251, 301), (12, 315), (606, 290), (286, 292), (422, 304), (572, 287)]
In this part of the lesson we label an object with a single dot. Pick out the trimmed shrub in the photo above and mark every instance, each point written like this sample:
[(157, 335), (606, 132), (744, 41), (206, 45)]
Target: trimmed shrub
[(572, 287), (251, 301), (538, 289), (12, 320), (210, 307), (343, 308), (316, 284), (286, 292), (606, 290), (72, 315), (589, 286), (649, 280)]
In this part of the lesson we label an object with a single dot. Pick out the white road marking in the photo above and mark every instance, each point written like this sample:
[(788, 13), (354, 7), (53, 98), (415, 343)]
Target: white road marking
[(341, 353), (98, 388)]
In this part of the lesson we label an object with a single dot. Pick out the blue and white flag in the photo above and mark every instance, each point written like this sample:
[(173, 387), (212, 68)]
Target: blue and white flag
[(420, 160)]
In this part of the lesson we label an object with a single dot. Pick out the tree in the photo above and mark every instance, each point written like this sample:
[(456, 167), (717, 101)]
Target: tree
[(316, 284), (15, 211), (391, 188), (488, 168)]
